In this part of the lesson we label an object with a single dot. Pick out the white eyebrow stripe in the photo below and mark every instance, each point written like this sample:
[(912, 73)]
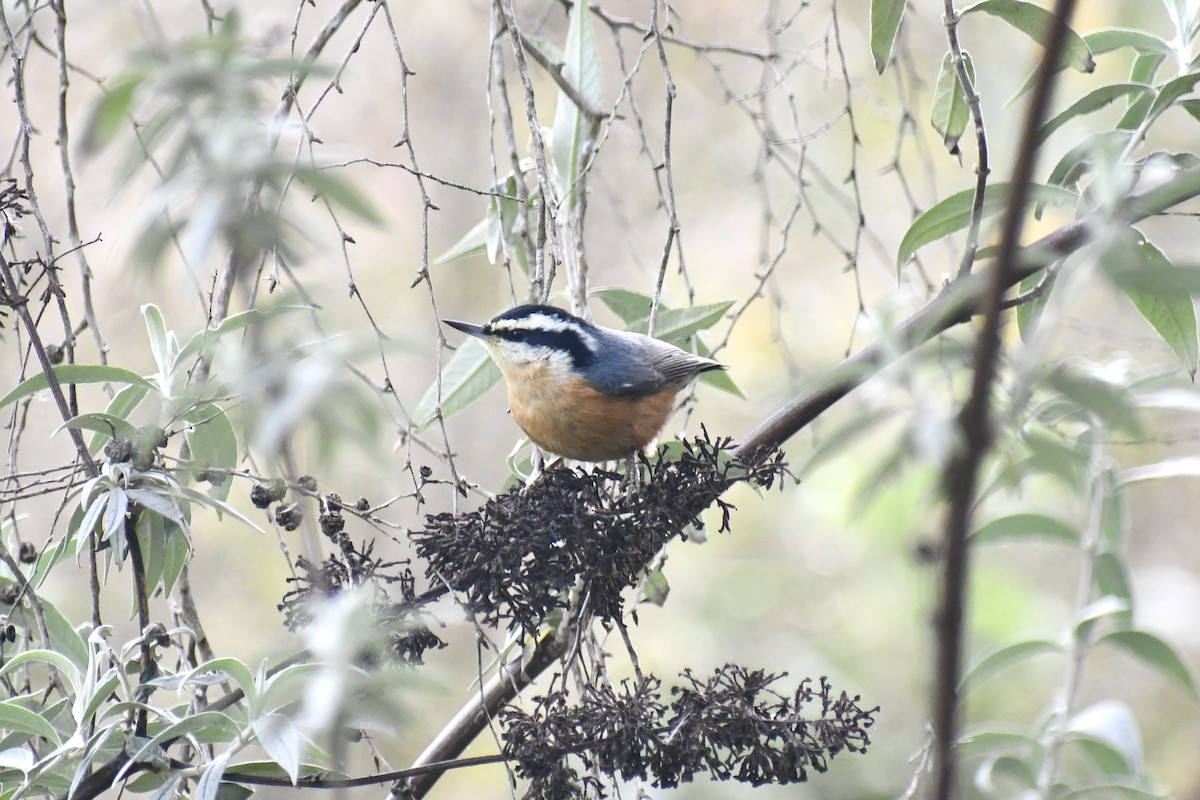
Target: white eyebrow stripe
[(545, 322)]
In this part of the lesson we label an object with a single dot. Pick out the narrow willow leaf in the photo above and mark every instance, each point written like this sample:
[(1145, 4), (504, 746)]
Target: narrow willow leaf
[(197, 344), (1021, 527), (1034, 21), (15, 717), (1156, 653), (468, 374), (630, 306), (950, 113), (1091, 102), (210, 780), (676, 324), (1111, 722), (1171, 91), (954, 213), (74, 373), (1030, 312), (1105, 40), (1171, 314), (473, 242), (1004, 659), (66, 668), (885, 22), (212, 443), (279, 736), (582, 70), (156, 331)]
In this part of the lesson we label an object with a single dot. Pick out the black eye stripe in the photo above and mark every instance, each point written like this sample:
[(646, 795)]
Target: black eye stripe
[(569, 341)]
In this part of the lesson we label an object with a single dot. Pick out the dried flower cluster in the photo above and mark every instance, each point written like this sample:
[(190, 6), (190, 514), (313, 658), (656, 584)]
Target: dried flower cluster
[(407, 628), (516, 557), (732, 725)]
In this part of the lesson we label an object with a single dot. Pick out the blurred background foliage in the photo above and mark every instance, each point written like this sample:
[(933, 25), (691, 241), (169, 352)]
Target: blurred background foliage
[(796, 170)]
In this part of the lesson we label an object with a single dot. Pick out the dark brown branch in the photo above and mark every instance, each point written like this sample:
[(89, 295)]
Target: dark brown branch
[(474, 717), (962, 470)]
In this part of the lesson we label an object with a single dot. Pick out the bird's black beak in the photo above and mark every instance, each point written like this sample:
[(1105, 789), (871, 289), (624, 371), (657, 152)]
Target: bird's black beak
[(467, 328)]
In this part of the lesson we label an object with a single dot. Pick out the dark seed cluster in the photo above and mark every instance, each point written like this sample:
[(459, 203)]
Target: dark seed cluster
[(731, 725), (400, 617), (515, 558)]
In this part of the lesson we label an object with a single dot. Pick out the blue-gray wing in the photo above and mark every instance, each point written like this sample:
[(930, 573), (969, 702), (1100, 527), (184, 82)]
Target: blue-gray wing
[(637, 365)]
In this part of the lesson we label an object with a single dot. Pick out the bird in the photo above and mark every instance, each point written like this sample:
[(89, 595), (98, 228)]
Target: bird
[(580, 390)]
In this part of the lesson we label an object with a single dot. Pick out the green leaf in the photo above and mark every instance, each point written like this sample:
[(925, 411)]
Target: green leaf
[(1103, 147), (1093, 101), (1171, 91), (954, 214), (1029, 312), (474, 242), (582, 70), (1034, 21), (1108, 606), (1020, 527), (63, 636), (287, 686), (1112, 723), (220, 506), (210, 780), (212, 444), (1112, 580), (66, 668), (100, 422), (980, 742), (178, 549), (465, 378), (120, 407), (1157, 654), (235, 322), (156, 331), (885, 22), (1105, 40), (15, 717), (677, 324), (1004, 659), (950, 113), (153, 540), (1171, 314), (238, 672), (157, 501), (77, 374), (279, 737), (628, 305)]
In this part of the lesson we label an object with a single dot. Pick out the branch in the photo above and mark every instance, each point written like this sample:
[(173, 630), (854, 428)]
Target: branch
[(976, 433), (474, 717)]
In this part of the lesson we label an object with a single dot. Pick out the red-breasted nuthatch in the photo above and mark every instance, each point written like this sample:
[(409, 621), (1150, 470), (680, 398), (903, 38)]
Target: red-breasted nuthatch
[(582, 391)]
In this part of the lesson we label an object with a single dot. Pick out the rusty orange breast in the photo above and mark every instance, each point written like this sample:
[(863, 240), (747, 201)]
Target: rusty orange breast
[(570, 419)]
